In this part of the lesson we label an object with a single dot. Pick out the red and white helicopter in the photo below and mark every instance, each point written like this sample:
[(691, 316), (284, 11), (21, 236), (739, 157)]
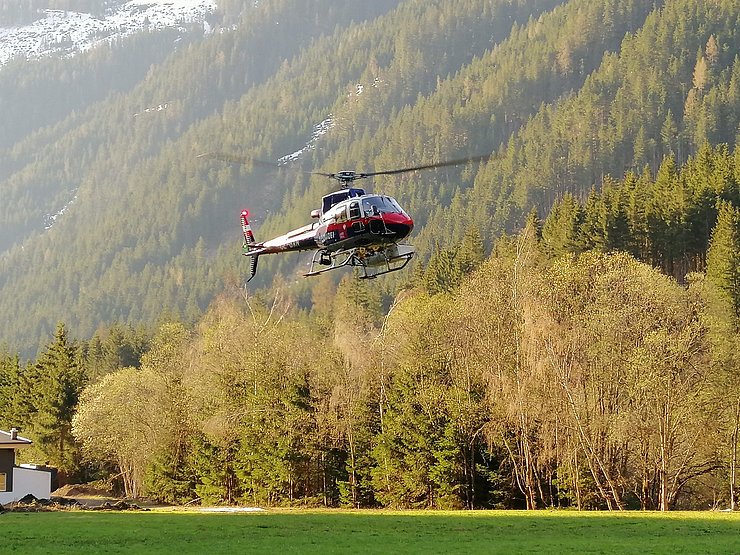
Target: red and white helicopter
[(352, 227)]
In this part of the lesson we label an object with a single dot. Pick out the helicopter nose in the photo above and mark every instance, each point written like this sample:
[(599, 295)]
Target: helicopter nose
[(409, 223), (400, 225)]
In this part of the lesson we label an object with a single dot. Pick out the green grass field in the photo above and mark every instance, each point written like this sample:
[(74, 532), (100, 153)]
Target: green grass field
[(369, 532)]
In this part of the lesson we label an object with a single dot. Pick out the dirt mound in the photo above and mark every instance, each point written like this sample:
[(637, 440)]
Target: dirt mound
[(80, 490), (31, 504)]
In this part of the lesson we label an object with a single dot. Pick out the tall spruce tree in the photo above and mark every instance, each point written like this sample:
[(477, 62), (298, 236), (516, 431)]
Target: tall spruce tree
[(723, 258), (53, 386), (562, 229), (9, 379), (472, 251)]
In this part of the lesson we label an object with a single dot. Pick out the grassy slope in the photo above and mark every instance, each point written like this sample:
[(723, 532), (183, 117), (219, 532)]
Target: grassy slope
[(370, 532)]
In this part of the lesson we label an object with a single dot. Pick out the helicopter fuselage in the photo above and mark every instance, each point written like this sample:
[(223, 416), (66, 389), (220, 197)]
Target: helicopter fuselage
[(362, 221), (349, 221)]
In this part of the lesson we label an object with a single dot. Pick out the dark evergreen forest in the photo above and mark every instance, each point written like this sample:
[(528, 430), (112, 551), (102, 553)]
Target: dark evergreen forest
[(566, 337)]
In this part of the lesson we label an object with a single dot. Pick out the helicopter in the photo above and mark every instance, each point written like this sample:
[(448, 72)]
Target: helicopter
[(353, 228)]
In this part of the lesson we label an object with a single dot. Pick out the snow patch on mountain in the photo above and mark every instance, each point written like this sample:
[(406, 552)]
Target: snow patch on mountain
[(68, 33), (319, 130), (158, 108), (50, 219)]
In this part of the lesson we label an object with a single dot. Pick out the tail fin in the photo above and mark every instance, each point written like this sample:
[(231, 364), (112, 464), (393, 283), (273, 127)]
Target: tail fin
[(252, 267), (247, 229), (248, 244)]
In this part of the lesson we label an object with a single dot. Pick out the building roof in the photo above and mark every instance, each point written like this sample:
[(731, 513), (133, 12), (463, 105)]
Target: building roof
[(7, 441)]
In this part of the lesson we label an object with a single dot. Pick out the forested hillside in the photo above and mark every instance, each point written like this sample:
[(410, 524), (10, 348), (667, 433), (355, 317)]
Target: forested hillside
[(109, 215), (566, 336)]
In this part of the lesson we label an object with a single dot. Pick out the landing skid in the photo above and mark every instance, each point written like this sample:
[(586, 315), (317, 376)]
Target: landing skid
[(373, 262)]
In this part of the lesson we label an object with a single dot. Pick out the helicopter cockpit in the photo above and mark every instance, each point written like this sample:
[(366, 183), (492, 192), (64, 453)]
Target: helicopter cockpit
[(367, 206), (376, 205)]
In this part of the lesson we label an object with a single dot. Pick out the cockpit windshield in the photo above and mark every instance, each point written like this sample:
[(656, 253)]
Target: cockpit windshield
[(375, 205)]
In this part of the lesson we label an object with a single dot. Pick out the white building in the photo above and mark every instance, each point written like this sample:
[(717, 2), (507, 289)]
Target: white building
[(18, 481)]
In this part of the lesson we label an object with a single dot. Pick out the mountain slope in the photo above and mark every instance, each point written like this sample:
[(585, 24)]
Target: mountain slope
[(567, 90)]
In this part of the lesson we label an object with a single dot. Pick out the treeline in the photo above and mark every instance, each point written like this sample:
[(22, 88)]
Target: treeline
[(41, 396), (558, 372), (589, 382), (665, 220)]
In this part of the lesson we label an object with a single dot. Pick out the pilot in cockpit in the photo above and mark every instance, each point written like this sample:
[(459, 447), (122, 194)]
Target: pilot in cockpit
[(369, 207)]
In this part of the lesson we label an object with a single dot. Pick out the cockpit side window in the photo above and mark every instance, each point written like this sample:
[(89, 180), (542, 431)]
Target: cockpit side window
[(336, 213), (354, 211), (370, 206)]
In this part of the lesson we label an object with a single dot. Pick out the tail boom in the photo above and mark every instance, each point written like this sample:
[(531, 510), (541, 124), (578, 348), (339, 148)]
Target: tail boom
[(300, 239)]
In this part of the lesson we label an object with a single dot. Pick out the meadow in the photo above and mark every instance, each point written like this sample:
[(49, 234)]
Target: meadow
[(339, 531)]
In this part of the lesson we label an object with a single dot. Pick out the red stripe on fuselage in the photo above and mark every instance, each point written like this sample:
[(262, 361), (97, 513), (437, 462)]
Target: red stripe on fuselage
[(384, 228)]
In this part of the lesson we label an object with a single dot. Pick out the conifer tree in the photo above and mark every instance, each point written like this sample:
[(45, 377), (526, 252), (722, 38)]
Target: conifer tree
[(723, 258), (561, 232), (594, 227), (53, 386), (471, 253), (442, 273), (417, 458), (9, 381)]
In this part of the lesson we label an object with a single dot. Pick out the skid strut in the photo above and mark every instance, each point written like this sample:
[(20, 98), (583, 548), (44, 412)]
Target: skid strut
[(373, 263)]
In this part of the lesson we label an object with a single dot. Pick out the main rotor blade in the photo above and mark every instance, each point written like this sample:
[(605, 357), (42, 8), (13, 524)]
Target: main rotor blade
[(248, 161), (430, 166), (323, 174)]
